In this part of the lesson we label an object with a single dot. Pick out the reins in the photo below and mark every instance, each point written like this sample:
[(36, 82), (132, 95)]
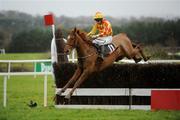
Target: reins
[(74, 46), (84, 57)]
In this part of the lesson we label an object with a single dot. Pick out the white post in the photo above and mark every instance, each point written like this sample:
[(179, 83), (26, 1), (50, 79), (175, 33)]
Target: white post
[(53, 30), (35, 69), (68, 57), (73, 54), (3, 51), (5, 91), (45, 90), (9, 68), (130, 98)]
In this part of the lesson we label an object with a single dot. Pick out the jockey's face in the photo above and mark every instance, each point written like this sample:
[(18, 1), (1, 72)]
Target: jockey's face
[(99, 20)]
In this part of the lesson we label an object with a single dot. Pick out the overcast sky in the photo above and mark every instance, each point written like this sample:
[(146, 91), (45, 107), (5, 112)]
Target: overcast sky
[(114, 8)]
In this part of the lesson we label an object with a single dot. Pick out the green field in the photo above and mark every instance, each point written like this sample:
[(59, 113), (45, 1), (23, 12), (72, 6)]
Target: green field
[(22, 89)]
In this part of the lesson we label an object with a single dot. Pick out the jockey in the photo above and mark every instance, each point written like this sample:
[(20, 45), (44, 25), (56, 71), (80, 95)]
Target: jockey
[(104, 28)]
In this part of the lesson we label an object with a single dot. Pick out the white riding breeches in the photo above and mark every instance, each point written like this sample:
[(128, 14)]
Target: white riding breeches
[(103, 40)]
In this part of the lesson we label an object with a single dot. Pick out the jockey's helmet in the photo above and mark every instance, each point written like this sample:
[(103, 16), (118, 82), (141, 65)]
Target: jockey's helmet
[(98, 15)]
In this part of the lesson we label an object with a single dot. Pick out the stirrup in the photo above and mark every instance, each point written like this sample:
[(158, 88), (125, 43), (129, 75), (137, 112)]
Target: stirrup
[(100, 59)]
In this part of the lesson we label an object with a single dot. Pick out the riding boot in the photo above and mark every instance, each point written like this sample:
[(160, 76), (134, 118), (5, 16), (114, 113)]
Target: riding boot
[(101, 53)]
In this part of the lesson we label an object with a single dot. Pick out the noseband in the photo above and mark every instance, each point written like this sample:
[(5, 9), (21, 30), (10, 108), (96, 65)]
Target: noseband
[(73, 46)]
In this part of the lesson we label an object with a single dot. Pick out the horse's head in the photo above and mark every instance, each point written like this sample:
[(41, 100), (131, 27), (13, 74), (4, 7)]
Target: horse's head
[(71, 41)]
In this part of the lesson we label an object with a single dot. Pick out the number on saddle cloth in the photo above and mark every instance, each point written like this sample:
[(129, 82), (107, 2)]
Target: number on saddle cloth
[(107, 49)]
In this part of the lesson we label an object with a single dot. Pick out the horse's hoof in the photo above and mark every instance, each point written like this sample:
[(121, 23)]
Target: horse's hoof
[(68, 96), (66, 101), (138, 60), (147, 58), (60, 92)]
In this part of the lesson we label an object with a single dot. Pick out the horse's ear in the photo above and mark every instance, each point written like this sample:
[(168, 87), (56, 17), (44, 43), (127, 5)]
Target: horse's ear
[(75, 29), (78, 31)]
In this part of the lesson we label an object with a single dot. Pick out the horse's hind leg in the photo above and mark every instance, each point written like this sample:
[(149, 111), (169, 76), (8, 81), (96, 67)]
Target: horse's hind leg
[(71, 81)]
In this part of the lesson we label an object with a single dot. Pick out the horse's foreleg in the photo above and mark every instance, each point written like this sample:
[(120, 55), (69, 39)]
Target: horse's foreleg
[(130, 51), (71, 81), (82, 77), (146, 58), (134, 54), (141, 52)]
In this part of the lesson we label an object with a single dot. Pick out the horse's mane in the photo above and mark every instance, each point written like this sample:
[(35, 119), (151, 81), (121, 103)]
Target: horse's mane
[(84, 37)]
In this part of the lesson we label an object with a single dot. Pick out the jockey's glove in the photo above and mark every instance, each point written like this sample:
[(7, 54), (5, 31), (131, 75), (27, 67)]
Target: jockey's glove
[(94, 36)]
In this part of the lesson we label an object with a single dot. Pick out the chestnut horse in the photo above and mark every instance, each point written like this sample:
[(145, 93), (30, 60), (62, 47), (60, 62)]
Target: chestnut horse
[(88, 61)]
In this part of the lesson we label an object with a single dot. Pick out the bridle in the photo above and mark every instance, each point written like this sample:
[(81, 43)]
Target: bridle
[(75, 46)]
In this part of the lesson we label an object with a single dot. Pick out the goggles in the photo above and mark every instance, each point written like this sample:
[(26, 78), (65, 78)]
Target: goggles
[(98, 19)]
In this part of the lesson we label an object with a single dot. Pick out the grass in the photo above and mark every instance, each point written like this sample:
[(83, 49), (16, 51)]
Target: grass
[(22, 89)]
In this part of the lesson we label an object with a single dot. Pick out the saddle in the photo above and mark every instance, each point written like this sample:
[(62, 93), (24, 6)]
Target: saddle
[(105, 50)]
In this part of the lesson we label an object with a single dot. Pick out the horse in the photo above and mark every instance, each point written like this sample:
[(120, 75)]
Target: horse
[(61, 56), (88, 62), (60, 44)]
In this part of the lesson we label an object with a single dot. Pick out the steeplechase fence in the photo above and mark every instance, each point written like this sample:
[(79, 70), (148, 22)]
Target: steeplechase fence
[(126, 86)]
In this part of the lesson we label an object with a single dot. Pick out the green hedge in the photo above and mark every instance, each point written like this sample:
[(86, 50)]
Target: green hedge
[(125, 76)]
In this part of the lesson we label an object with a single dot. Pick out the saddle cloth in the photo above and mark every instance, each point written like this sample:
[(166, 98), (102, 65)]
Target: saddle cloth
[(107, 49)]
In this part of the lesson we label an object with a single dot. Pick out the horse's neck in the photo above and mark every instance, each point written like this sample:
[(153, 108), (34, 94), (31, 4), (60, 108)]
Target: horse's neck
[(83, 49)]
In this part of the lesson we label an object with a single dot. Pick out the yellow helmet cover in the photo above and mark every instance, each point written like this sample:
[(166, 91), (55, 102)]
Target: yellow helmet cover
[(98, 15)]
